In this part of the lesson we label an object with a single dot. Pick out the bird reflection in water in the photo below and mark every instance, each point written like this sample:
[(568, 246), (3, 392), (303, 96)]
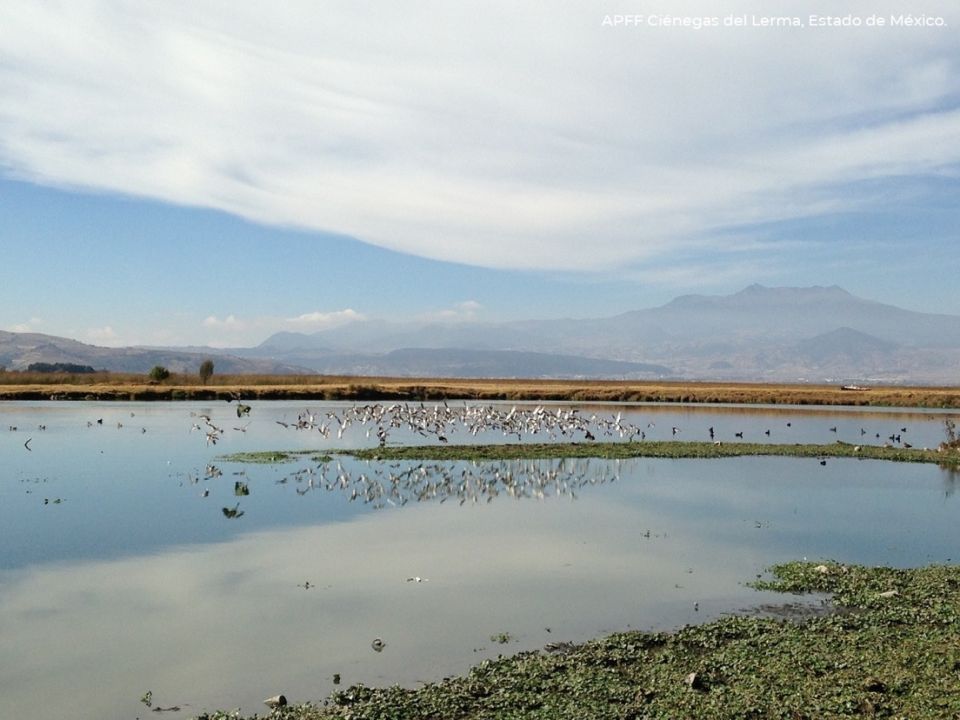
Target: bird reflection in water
[(395, 484)]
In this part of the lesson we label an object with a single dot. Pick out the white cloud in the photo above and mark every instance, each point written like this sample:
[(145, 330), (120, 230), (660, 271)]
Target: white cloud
[(105, 336), (515, 137), (229, 323), (233, 330), (466, 310), (314, 321), (31, 326)]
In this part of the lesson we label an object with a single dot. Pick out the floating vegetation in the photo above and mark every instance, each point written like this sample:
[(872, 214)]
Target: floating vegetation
[(891, 651), (651, 449), (265, 456), (571, 432), (394, 476)]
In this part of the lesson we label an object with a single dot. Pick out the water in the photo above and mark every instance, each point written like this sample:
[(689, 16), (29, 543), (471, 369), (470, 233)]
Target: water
[(121, 573)]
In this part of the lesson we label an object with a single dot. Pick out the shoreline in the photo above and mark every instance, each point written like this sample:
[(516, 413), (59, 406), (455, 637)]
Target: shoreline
[(887, 649), (361, 389)]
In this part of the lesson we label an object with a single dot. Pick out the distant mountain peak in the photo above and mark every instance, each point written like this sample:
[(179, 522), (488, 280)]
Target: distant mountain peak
[(759, 333), (790, 290), (762, 293)]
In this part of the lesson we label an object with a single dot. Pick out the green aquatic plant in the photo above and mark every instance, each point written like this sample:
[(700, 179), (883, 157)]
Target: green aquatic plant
[(887, 647), (265, 457), (650, 449)]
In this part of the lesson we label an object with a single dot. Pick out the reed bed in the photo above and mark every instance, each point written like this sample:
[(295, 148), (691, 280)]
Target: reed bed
[(116, 386)]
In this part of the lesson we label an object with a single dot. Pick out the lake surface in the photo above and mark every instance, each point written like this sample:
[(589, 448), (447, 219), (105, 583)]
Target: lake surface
[(134, 558)]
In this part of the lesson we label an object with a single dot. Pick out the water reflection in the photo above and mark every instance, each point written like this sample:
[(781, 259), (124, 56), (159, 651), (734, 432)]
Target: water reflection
[(397, 483), (951, 478), (165, 568), (282, 611)]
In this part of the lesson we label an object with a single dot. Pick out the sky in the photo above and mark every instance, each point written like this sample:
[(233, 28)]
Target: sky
[(212, 172)]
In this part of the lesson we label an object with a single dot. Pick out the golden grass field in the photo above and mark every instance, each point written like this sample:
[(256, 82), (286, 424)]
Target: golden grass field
[(115, 386)]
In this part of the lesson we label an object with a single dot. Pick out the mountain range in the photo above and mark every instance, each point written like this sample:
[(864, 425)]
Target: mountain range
[(781, 334)]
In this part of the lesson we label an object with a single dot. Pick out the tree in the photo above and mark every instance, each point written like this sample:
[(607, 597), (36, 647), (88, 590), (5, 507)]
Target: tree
[(206, 370), (159, 373)]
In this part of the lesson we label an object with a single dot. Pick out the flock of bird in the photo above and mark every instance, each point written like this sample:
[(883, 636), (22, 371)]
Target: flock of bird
[(523, 422), (395, 484), (443, 420)]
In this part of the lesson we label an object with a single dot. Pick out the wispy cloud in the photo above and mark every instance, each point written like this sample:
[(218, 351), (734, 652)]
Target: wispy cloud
[(232, 329), (314, 321), (513, 138), (461, 311), (32, 325), (105, 335), (229, 323)]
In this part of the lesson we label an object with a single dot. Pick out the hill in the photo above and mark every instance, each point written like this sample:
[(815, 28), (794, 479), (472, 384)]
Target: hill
[(783, 334), (760, 334), (18, 351)]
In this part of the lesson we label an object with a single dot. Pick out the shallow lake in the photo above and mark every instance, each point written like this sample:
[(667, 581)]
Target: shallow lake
[(135, 558)]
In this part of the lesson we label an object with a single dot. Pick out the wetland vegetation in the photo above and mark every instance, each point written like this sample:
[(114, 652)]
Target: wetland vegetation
[(651, 449), (887, 647), (884, 646), (20, 385)]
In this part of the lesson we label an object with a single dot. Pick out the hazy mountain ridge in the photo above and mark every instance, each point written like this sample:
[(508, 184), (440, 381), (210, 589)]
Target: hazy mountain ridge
[(460, 362), (758, 334), (19, 350)]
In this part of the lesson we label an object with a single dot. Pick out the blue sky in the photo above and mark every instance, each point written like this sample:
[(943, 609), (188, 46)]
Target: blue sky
[(214, 174)]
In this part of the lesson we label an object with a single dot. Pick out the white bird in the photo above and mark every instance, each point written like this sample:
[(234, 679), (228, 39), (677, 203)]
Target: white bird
[(277, 701)]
